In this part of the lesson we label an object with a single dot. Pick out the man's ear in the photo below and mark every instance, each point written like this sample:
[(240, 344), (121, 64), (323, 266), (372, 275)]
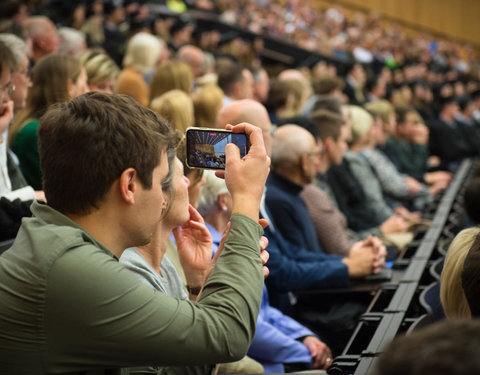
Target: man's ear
[(128, 184), (327, 144), (304, 162)]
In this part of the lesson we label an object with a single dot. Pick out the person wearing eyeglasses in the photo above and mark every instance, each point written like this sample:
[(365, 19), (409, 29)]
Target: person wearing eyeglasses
[(20, 76), (13, 187)]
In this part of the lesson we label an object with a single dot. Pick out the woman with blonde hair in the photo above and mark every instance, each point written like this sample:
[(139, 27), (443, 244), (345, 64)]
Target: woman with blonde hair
[(101, 70), (453, 298), (144, 53), (171, 75), (176, 107), (207, 102), (55, 78)]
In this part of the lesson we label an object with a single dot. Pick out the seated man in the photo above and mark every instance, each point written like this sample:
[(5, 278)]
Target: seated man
[(104, 163), (295, 161), (279, 340), (331, 131), (449, 139), (292, 267)]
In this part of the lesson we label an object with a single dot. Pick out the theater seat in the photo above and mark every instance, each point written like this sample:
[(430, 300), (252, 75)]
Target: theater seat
[(421, 322), (430, 301)]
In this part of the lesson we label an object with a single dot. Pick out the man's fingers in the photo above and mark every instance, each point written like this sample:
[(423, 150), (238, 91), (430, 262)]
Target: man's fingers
[(264, 255), (263, 222), (263, 242)]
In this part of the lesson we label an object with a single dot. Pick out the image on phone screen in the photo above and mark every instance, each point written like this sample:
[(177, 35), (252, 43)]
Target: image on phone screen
[(206, 147)]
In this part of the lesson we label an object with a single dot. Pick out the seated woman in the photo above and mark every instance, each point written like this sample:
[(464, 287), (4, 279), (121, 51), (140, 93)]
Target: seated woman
[(363, 131), (144, 53), (280, 343), (55, 78), (171, 75), (194, 244), (102, 72), (407, 147), (176, 107), (395, 185), (452, 296), (207, 102)]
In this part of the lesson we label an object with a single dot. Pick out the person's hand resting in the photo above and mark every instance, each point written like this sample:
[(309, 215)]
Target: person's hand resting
[(394, 224), (380, 252), (361, 260), (321, 353)]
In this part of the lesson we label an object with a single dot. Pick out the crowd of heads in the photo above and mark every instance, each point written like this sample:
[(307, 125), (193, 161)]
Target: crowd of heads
[(60, 69)]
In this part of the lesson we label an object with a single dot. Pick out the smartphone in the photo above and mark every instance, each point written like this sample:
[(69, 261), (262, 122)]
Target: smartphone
[(206, 147)]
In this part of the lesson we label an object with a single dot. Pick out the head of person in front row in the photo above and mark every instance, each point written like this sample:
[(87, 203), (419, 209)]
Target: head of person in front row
[(102, 149), (446, 348), (102, 71), (21, 76), (452, 296), (471, 277)]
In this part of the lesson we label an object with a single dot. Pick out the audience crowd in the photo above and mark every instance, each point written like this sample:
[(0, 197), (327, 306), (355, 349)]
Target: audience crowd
[(357, 149)]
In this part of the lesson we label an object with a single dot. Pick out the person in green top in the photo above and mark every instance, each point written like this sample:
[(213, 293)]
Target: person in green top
[(68, 306), (55, 78)]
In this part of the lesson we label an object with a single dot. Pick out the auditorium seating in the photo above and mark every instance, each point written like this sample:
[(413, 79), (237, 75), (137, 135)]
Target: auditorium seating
[(413, 301)]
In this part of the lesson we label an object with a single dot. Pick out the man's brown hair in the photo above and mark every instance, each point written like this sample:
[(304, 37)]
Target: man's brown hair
[(87, 143), (328, 124), (327, 85), (401, 113)]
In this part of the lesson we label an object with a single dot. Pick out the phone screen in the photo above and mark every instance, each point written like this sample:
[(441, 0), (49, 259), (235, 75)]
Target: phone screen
[(206, 147)]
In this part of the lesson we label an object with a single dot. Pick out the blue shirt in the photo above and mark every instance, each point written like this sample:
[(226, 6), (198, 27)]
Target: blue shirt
[(294, 268), (275, 341)]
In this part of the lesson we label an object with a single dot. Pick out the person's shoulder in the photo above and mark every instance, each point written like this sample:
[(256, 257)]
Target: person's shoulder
[(39, 233), (27, 131), (128, 74), (313, 191), (39, 246), (275, 192)]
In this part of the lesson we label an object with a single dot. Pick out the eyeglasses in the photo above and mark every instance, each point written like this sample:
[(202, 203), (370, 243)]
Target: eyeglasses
[(271, 130), (9, 88), (316, 153)]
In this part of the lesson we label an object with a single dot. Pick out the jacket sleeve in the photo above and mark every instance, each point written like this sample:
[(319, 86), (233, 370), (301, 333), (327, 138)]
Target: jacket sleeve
[(293, 268), (272, 345), (275, 337), (115, 320)]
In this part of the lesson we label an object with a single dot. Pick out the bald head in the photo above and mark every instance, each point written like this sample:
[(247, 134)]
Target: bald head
[(289, 144), (44, 36), (291, 74), (247, 110), (193, 56)]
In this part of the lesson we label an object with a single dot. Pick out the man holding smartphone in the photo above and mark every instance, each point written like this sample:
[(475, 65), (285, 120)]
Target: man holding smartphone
[(68, 306)]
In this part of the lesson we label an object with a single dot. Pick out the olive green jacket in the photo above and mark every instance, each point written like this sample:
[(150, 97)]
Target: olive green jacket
[(68, 306)]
